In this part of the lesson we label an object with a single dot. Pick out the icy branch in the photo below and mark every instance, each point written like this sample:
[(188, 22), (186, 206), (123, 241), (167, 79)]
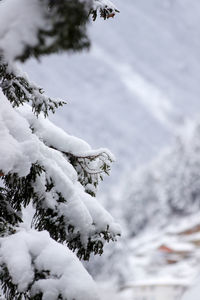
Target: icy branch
[(19, 90), (105, 8)]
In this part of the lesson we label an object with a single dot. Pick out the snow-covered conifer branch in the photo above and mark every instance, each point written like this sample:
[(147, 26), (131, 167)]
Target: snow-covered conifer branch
[(42, 27), (105, 8), (91, 167), (47, 26), (8, 216), (36, 267), (19, 90), (42, 165), (49, 179)]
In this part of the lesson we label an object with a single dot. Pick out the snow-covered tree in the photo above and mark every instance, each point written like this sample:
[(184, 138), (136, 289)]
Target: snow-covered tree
[(168, 187), (42, 165)]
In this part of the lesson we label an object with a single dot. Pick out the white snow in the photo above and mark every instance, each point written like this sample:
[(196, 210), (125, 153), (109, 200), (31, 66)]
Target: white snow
[(97, 4), (52, 135), (180, 247), (164, 281), (17, 28), (193, 292), (17, 143), (67, 276)]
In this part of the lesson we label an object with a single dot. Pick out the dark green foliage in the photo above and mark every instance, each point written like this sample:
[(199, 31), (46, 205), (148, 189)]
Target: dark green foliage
[(19, 90), (60, 228), (88, 175), (16, 194), (95, 245), (20, 190), (105, 12), (10, 290), (48, 219), (67, 21), (9, 217), (67, 30)]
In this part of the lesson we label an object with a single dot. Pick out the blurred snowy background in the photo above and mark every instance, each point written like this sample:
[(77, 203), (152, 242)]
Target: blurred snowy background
[(137, 93)]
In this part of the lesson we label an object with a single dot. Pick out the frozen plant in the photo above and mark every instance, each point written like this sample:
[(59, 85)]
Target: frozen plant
[(43, 165)]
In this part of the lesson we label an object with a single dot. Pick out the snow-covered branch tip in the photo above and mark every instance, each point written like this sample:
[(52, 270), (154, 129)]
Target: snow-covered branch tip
[(105, 8), (19, 90), (91, 168)]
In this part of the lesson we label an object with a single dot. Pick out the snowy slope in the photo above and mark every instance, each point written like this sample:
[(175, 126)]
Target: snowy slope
[(139, 79)]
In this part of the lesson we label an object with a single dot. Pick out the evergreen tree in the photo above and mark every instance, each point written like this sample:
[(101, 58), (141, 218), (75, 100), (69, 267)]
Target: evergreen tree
[(42, 165)]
